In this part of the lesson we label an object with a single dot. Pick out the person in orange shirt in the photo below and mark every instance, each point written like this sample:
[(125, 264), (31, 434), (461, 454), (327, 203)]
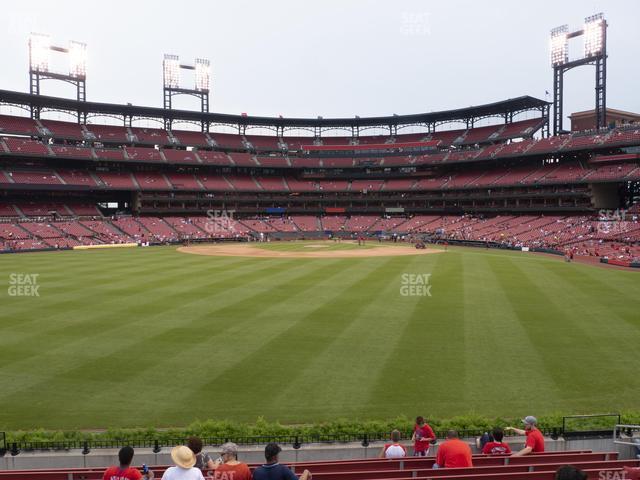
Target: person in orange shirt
[(228, 467), (453, 453), (535, 439)]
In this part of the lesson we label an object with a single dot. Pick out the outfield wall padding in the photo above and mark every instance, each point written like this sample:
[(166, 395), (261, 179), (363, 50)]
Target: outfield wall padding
[(105, 245)]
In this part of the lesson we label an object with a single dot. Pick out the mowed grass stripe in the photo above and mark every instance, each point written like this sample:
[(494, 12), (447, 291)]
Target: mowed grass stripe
[(94, 336), (369, 337), (425, 370), (284, 358), (251, 329), (100, 376), (570, 356), (130, 337), (500, 358), (83, 296), (608, 322), (53, 311)]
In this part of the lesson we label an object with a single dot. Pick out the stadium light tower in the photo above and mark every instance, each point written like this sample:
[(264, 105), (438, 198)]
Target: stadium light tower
[(594, 33), (171, 67), (40, 49)]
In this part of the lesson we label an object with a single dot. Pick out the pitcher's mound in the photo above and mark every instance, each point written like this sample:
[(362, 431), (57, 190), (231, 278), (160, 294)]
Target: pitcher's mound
[(249, 250)]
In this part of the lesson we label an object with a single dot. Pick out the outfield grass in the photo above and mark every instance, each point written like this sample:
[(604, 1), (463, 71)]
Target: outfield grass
[(138, 337)]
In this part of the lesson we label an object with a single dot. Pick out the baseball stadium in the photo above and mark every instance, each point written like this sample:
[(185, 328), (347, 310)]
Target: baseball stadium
[(319, 281)]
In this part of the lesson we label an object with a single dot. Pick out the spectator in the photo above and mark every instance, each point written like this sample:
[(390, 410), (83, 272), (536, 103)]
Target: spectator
[(453, 453), (231, 468), (185, 459), (272, 470), (569, 472), (496, 446), (393, 449), (422, 437), (535, 440), (124, 471), (203, 460)]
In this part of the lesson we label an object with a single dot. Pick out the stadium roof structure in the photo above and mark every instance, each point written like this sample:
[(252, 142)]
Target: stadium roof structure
[(506, 109)]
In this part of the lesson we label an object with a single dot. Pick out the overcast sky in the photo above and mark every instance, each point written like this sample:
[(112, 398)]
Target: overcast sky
[(329, 58)]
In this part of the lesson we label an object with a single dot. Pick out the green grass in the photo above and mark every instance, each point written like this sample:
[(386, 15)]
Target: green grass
[(153, 337)]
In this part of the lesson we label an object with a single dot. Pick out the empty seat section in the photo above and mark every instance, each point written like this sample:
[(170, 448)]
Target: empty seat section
[(180, 156), (18, 125), (150, 136), (65, 130), (71, 151), (23, 146), (214, 158), (138, 154), (109, 133), (152, 181)]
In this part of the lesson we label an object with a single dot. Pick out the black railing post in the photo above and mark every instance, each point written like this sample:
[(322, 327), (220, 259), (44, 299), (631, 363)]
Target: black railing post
[(3, 445), (365, 440), (296, 443), (156, 447)]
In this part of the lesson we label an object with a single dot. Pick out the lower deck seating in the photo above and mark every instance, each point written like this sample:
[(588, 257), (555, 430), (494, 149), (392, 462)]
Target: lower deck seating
[(532, 467), (582, 235)]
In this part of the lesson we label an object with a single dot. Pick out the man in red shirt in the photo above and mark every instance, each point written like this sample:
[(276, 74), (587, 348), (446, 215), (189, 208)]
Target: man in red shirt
[(124, 471), (453, 453), (535, 440), (497, 446), (422, 437)]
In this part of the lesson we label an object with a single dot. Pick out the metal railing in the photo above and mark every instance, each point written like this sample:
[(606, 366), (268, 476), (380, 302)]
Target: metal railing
[(622, 431), (592, 430)]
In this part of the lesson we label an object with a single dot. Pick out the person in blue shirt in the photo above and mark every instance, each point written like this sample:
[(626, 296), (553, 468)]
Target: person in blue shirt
[(272, 470)]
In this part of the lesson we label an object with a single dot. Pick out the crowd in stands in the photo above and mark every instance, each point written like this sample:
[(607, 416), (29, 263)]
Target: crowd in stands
[(455, 454), (595, 236)]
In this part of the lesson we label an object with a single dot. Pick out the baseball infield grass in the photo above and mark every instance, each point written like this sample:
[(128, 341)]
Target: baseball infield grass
[(155, 337)]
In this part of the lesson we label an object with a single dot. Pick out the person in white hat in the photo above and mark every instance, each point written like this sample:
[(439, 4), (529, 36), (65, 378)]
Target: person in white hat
[(185, 459)]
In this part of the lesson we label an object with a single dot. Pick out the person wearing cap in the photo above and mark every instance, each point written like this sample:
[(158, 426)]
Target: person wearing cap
[(229, 468), (272, 470), (185, 459), (535, 440), (124, 471)]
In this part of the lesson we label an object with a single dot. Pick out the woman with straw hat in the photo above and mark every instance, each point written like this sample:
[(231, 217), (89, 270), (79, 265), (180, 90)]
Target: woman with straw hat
[(185, 459)]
